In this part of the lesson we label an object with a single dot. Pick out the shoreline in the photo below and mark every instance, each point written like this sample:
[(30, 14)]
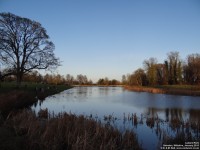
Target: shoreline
[(171, 91), (16, 99)]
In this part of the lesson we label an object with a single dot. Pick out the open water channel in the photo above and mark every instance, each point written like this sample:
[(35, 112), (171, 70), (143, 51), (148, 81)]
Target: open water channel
[(155, 118)]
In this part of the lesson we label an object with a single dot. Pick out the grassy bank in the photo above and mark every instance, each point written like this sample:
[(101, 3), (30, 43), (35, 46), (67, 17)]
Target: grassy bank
[(62, 132), (186, 90), (12, 98), (6, 87)]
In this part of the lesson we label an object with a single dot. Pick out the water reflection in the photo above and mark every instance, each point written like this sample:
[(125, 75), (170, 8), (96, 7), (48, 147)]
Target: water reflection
[(178, 126), (156, 118)]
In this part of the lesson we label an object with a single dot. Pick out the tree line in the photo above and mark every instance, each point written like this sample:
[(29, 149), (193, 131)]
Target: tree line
[(106, 81), (172, 71), (56, 79)]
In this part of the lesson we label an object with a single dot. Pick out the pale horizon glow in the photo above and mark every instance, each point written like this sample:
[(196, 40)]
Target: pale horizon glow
[(109, 38)]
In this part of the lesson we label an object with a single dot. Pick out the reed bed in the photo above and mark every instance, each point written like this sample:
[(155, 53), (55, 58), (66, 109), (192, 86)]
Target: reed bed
[(68, 131), (177, 131), (174, 90), (174, 131)]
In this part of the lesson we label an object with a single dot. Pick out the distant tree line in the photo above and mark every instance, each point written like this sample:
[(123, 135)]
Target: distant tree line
[(172, 71), (106, 81), (68, 79), (36, 77)]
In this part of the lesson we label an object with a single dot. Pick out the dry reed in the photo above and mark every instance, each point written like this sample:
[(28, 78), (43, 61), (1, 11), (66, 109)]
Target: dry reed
[(68, 131), (163, 90)]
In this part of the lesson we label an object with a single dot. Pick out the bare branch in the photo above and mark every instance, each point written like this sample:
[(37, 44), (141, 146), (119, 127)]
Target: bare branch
[(25, 45)]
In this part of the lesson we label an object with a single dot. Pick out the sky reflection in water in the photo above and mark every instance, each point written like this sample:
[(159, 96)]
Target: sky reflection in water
[(99, 102)]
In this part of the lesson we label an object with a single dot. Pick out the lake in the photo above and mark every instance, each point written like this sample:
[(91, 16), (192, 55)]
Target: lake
[(154, 117)]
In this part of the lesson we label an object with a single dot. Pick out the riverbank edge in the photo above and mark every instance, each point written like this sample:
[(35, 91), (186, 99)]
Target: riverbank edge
[(22, 98), (172, 91)]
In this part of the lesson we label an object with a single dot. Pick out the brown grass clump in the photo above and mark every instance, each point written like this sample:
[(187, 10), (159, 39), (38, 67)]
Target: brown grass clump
[(69, 132), (43, 113)]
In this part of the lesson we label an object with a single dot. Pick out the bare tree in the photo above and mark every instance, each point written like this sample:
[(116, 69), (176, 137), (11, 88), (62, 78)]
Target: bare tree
[(124, 80), (138, 77), (173, 65), (24, 46), (151, 70), (106, 81), (192, 69), (101, 81), (69, 79), (82, 79)]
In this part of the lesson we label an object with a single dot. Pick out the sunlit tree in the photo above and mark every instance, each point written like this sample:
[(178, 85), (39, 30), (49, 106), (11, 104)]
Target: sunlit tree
[(150, 66), (174, 68), (192, 69)]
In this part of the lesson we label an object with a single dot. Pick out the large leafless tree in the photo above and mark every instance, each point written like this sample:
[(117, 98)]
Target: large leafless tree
[(24, 46)]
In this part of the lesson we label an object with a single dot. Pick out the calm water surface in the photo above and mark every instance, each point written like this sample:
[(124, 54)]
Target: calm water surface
[(155, 113)]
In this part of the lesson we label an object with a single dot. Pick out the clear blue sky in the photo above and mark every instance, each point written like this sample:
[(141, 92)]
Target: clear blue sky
[(109, 38)]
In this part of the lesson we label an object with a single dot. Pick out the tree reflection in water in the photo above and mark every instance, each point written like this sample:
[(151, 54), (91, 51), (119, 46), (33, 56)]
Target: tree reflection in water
[(176, 128)]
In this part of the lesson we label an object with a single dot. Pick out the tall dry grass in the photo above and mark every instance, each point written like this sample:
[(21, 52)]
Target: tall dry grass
[(68, 131), (167, 90)]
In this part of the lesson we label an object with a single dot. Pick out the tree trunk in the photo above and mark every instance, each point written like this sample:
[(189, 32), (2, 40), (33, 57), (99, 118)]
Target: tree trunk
[(19, 80)]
